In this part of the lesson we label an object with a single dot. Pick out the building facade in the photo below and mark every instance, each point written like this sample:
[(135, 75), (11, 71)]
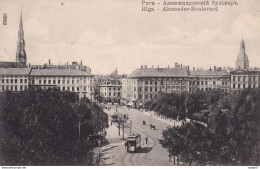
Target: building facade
[(145, 83), (207, 80), (244, 77), (20, 79), (14, 79)]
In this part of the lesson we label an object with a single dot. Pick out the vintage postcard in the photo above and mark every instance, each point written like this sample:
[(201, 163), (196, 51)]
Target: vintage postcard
[(129, 83)]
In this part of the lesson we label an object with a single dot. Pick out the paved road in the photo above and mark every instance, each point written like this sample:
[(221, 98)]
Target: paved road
[(151, 154)]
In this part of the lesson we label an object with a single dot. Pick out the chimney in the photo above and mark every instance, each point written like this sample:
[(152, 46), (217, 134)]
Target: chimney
[(193, 68), (158, 66), (145, 66), (49, 62), (188, 68), (214, 68), (176, 64), (142, 67), (81, 62), (168, 67), (152, 66), (181, 65)]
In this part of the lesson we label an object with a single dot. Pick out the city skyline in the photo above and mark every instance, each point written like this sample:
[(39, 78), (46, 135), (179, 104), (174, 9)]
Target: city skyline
[(127, 39)]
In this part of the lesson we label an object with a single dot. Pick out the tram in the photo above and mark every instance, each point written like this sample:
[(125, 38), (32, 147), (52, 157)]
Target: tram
[(133, 142)]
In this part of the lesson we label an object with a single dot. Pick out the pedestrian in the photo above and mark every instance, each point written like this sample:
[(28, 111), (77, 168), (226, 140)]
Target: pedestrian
[(146, 140), (125, 145)]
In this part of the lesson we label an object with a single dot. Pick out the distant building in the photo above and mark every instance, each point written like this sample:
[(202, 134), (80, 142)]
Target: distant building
[(65, 80), (20, 79), (206, 80), (14, 79), (110, 88), (244, 77), (144, 83)]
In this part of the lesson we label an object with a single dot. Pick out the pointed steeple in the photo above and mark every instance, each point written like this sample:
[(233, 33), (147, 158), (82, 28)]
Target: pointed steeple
[(21, 54), (242, 59)]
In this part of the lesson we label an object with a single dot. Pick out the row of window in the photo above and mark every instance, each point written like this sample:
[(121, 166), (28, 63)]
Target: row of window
[(115, 94), (15, 81), (243, 86), (14, 88), (161, 82), (151, 89), (206, 83), (240, 78), (146, 96), (58, 81)]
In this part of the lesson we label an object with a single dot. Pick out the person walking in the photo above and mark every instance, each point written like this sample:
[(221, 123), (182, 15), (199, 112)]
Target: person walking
[(125, 145), (146, 140)]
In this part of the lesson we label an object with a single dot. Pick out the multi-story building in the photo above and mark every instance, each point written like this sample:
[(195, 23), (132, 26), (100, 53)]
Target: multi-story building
[(65, 80), (244, 77), (14, 79), (146, 82), (20, 79), (110, 88), (206, 80)]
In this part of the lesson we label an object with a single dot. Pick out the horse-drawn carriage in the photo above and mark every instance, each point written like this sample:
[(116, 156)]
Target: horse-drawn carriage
[(152, 126)]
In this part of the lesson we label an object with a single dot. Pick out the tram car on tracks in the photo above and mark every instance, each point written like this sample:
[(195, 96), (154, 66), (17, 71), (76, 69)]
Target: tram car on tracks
[(133, 143)]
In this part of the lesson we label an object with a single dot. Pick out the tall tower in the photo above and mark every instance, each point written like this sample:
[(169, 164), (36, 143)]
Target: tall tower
[(242, 59), (21, 54)]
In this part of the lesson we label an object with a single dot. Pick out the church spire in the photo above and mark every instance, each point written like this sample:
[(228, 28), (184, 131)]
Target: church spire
[(21, 54), (242, 59)]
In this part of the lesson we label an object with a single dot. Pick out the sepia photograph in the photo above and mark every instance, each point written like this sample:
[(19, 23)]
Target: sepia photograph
[(129, 83)]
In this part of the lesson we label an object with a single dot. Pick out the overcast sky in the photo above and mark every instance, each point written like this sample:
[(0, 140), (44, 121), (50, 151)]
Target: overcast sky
[(115, 33)]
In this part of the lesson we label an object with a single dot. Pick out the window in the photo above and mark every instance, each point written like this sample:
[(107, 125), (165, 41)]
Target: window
[(21, 87), (202, 83), (206, 82), (109, 93), (11, 87), (253, 85), (155, 82), (15, 88), (40, 81), (84, 88), (15, 80), (146, 96), (198, 82), (140, 89), (234, 78), (161, 82), (146, 82), (77, 81), (151, 89), (140, 96), (239, 77), (151, 96), (239, 86), (44, 81), (253, 78), (244, 86), (68, 88), (234, 86), (146, 89), (63, 88), (7, 80), (77, 88), (54, 81), (73, 89), (58, 81), (156, 89), (25, 80), (214, 82), (12, 80), (49, 81), (33, 81), (68, 81), (249, 79), (25, 87), (249, 86), (72, 82), (151, 82), (244, 78), (3, 80)]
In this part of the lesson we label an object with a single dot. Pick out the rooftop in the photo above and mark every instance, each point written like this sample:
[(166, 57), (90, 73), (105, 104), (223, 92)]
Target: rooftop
[(158, 72), (14, 71), (59, 72), (208, 73)]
